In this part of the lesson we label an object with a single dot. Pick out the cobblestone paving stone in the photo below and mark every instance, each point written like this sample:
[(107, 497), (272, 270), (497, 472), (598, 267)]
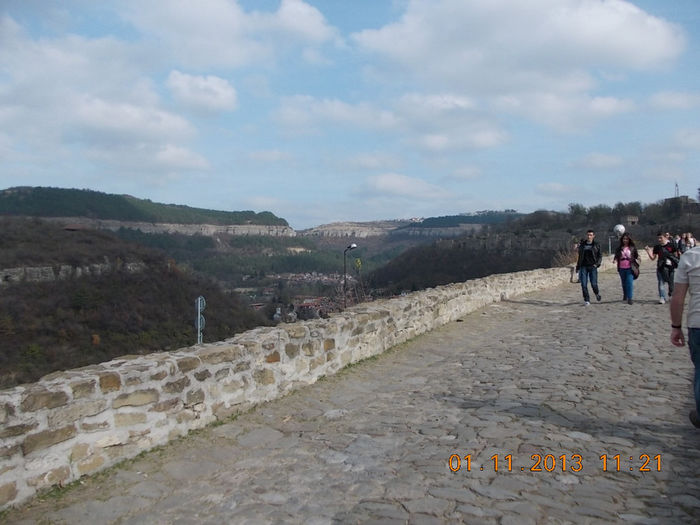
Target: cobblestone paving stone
[(538, 374)]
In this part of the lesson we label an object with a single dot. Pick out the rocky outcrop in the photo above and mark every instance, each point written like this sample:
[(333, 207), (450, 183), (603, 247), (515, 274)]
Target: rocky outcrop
[(185, 229), (35, 274), (358, 230), (452, 231)]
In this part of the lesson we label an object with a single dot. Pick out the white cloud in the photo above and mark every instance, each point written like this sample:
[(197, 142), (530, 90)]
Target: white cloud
[(105, 120), (397, 185), (565, 112), (219, 33), (302, 20), (209, 93), (539, 58), (465, 173), (600, 161), (373, 161), (175, 157), (689, 139), (272, 155), (475, 43), (554, 188), (675, 100), (303, 113)]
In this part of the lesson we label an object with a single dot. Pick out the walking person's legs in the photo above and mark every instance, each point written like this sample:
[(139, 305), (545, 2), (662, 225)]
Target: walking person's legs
[(662, 285), (583, 279), (594, 281), (623, 282), (628, 284)]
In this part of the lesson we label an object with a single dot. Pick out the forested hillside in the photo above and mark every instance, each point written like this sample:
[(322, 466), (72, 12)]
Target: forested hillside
[(68, 323), (59, 202)]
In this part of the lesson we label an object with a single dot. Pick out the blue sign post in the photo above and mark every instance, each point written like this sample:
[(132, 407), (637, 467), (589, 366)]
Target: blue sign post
[(200, 305)]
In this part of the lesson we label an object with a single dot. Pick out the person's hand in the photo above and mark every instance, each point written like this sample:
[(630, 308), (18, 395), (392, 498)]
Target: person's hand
[(677, 337)]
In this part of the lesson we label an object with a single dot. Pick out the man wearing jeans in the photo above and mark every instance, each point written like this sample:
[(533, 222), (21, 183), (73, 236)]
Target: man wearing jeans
[(587, 264), (687, 278)]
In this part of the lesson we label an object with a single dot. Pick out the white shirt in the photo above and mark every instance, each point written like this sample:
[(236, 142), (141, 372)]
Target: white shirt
[(688, 272)]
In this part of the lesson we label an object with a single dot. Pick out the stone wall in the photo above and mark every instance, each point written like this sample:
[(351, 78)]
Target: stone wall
[(81, 421)]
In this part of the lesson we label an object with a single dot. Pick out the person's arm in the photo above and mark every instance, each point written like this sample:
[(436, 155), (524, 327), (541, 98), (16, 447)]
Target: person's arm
[(651, 254), (677, 300)]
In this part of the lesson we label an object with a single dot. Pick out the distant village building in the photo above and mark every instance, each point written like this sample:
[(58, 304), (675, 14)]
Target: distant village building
[(630, 220)]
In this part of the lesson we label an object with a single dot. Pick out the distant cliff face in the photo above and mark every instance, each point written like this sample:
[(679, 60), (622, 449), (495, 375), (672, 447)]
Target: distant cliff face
[(354, 229), (451, 231), (185, 229), (39, 274), (359, 230)]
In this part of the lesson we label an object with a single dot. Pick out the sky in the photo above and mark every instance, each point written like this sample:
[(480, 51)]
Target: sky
[(333, 110)]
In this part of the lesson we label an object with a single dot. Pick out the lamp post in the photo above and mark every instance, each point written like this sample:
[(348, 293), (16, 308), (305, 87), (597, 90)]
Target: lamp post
[(345, 273)]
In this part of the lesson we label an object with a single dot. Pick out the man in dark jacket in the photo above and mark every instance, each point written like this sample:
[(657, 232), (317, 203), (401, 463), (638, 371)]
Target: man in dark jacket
[(589, 259)]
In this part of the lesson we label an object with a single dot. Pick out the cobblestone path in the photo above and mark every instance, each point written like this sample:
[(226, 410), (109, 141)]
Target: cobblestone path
[(541, 384)]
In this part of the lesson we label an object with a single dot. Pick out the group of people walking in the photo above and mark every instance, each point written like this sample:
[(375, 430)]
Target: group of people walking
[(666, 253), (677, 269)]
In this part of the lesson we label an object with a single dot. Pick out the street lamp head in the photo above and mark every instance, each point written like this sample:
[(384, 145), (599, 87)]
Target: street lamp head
[(351, 247)]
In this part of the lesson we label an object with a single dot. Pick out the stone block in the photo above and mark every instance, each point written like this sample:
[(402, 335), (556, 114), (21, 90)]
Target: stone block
[(202, 375), (9, 451), (185, 416), (74, 412), (108, 441), (274, 357), (159, 375), (232, 386), (79, 452), (41, 398), (186, 364), (310, 348), (215, 356), (136, 399), (127, 419), (6, 410), (133, 381), (8, 492), (82, 389), (94, 427), (242, 367), (221, 374), (91, 464), (292, 350), (175, 387), (296, 331), (46, 438), (110, 382), (18, 430), (194, 396), (264, 376), (316, 362), (166, 406), (328, 344)]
